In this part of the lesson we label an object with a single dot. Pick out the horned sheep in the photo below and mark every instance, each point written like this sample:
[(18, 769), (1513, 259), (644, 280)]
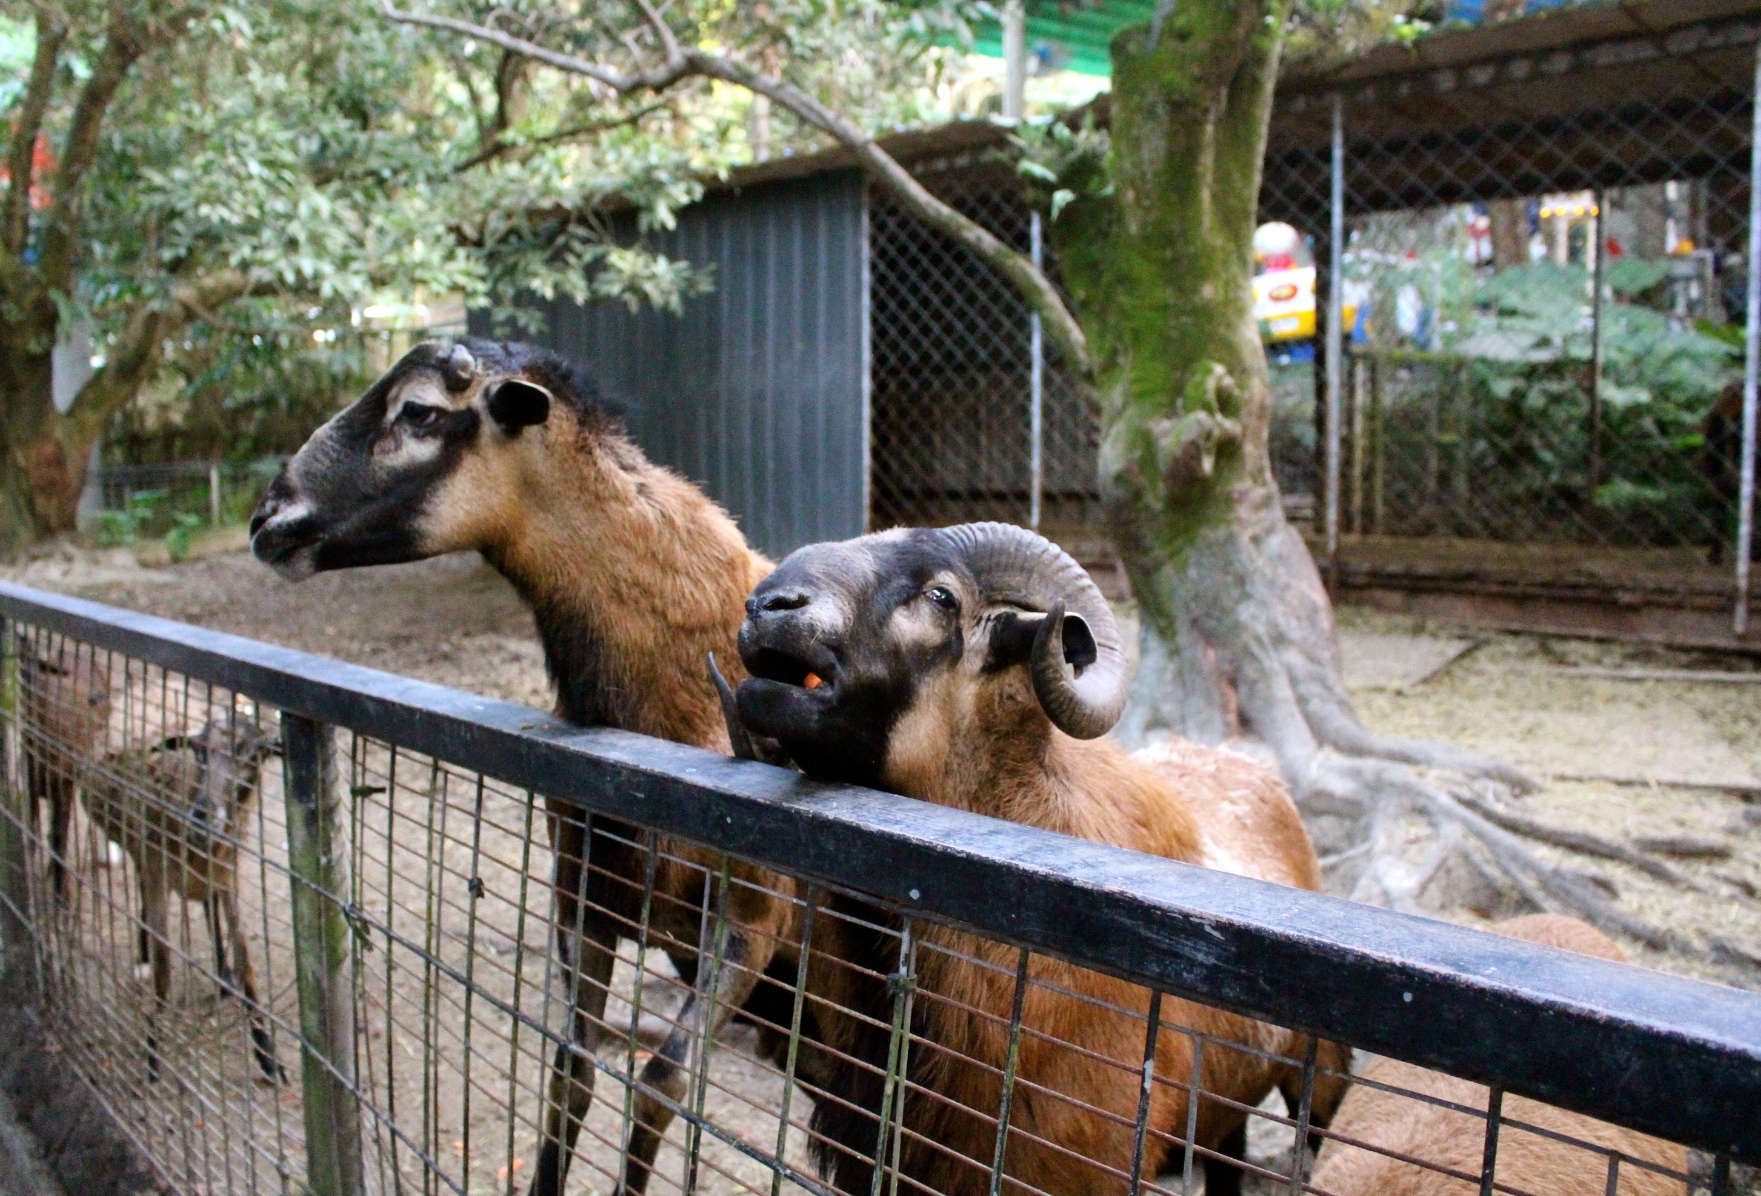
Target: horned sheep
[(937, 664)]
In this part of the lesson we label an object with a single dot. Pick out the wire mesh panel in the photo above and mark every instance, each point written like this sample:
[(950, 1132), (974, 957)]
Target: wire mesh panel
[(1544, 282), (158, 893), (951, 371), (693, 975)]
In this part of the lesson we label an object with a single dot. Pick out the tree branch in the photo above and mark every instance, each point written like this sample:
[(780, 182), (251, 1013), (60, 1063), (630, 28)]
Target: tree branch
[(504, 147), (1029, 280), (125, 41), (138, 350), (21, 153)]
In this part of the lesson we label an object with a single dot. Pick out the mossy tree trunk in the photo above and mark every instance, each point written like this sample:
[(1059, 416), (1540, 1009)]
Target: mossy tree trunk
[(1238, 636)]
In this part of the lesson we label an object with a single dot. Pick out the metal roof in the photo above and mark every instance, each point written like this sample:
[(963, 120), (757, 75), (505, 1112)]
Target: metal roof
[(1078, 29), (1556, 62)]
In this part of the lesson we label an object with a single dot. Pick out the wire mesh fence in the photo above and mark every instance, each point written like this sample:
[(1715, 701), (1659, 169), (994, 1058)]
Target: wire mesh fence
[(953, 367), (134, 502), (1544, 276), (343, 945), (1544, 293)]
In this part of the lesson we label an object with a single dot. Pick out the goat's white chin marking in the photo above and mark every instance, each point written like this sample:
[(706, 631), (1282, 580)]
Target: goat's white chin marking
[(299, 565)]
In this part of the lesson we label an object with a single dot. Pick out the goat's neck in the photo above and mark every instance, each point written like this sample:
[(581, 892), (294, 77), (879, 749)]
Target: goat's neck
[(633, 577), (1020, 769)]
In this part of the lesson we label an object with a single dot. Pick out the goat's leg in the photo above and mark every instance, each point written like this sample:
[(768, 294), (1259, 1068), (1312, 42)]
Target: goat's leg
[(744, 956), (244, 979), (1223, 1175), (570, 1089), (568, 845), (211, 914), (154, 927)]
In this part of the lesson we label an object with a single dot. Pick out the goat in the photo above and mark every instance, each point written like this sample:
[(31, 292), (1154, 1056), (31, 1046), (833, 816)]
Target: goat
[(64, 707), (1443, 1137), (933, 664), (180, 809), (1721, 461), (633, 576)]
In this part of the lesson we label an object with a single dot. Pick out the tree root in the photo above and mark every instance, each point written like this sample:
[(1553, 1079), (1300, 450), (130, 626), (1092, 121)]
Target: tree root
[(1578, 841), (1254, 652)]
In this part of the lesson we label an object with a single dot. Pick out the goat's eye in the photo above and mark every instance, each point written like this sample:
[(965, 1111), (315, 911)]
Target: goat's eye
[(418, 415), (943, 597)]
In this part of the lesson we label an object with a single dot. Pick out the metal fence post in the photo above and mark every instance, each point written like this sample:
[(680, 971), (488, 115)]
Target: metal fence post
[(16, 813), (317, 856), (1751, 359), (1036, 419), (1335, 347)]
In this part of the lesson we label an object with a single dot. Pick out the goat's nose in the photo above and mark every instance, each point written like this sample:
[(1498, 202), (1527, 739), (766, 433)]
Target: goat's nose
[(278, 496), (777, 602)]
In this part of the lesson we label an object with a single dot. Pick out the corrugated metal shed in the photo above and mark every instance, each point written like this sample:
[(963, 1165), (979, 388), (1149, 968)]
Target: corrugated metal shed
[(757, 391)]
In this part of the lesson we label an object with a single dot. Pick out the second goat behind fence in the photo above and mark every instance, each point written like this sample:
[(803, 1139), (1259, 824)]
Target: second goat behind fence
[(978, 667), (65, 706), (179, 809)]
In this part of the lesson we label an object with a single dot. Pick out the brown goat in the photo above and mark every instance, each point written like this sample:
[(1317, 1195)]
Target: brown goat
[(926, 662), (634, 577), (180, 810), (1445, 1138), (64, 708)]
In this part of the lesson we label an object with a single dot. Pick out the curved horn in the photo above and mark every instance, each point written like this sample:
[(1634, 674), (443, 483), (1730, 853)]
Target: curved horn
[(459, 366), (1014, 565)]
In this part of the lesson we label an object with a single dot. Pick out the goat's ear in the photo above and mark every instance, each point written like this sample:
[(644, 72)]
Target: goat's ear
[(1012, 641), (516, 403)]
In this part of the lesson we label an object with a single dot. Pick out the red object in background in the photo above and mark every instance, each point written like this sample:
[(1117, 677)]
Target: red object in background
[(1613, 248), (43, 165)]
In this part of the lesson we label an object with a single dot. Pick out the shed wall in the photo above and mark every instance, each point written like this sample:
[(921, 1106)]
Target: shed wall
[(757, 391)]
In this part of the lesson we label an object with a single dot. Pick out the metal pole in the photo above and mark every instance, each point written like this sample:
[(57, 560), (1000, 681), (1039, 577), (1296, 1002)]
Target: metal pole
[(214, 493), (1335, 347), (1036, 387), (17, 811), (1596, 288), (1746, 486), (317, 857), (1014, 59)]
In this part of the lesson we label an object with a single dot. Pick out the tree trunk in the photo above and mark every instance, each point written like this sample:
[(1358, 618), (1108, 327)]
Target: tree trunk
[(1237, 629), (1510, 232), (42, 454)]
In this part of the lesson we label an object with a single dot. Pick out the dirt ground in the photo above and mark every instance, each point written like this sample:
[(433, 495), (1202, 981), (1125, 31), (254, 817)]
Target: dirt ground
[(455, 622)]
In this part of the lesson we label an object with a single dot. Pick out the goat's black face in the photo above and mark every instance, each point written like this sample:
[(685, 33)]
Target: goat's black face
[(870, 659), (407, 471), (839, 640)]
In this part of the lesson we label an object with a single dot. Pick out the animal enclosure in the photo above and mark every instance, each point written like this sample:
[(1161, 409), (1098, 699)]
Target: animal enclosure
[(394, 873)]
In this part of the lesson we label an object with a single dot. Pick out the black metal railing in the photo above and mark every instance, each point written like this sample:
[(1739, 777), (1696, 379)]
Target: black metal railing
[(394, 881)]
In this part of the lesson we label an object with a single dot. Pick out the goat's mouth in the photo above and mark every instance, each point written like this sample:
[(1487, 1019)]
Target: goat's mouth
[(287, 545), (789, 693), (814, 670)]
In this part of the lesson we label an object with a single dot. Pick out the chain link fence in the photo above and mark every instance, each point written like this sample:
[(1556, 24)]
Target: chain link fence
[(1544, 276), (953, 366), (1544, 293)]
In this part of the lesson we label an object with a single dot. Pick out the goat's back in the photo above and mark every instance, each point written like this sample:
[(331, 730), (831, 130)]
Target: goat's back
[(1247, 823), (1446, 1138)]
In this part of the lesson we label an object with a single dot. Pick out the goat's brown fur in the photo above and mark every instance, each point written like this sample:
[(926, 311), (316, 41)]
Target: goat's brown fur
[(1443, 1137), (634, 577), (1080, 1076), (64, 708), (153, 803)]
